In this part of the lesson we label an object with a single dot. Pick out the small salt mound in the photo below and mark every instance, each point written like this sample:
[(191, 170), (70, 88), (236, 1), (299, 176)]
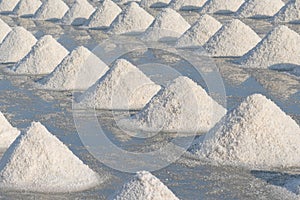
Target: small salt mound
[(154, 3), (205, 27), (16, 45), (27, 7), (51, 10), (221, 6), (186, 4), (38, 61), (8, 5), (233, 39), (289, 13), (260, 8), (168, 24), (104, 15), (280, 46), (79, 12), (132, 19), (7, 132), (256, 134), (145, 186), (123, 87), (4, 30), (78, 71), (183, 106)]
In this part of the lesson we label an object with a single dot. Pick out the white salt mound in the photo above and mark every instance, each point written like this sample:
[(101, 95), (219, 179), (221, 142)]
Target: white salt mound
[(259, 8), (154, 3), (78, 71), (104, 15), (221, 6), (183, 106), (8, 5), (186, 4), (133, 18), (16, 45), (38, 61), (27, 7), (280, 46), (37, 161), (289, 13), (4, 30), (145, 186), (233, 39), (51, 10), (200, 32), (7, 132), (257, 134), (123, 87)]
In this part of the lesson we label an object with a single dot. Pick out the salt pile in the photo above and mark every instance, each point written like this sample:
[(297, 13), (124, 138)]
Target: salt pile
[(27, 7), (260, 8), (132, 19), (8, 5), (16, 45), (145, 186), (38, 61), (78, 71), (233, 39), (221, 6), (256, 134), (280, 46), (7, 132), (51, 10), (37, 161), (123, 87), (154, 3), (200, 32), (104, 15), (186, 4), (183, 106), (289, 13), (4, 30), (79, 12), (168, 24)]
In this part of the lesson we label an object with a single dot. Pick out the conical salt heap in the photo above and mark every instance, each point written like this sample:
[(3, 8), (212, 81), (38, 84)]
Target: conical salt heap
[(78, 71), (289, 13), (8, 5), (200, 32), (38, 61), (123, 87), (256, 134), (37, 161), (7, 132), (51, 10), (16, 45), (105, 14), (186, 4), (183, 106), (145, 186), (168, 24), (221, 6), (233, 39), (4, 30), (79, 12), (154, 3), (133, 18), (259, 8), (27, 7), (280, 46)]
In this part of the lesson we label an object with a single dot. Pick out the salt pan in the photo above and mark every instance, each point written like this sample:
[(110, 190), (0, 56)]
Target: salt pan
[(51, 10), (186, 4), (154, 3), (7, 132), (4, 30), (8, 5), (289, 13), (221, 6), (27, 7)]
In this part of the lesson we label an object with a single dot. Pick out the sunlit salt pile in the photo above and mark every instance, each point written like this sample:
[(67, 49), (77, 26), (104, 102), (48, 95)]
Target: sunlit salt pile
[(168, 24), (8, 5), (7, 133), (38, 61), (104, 15), (27, 7), (186, 4), (79, 12), (145, 186), (279, 47), (4, 30), (154, 3), (51, 10), (221, 6), (183, 106), (260, 8), (16, 45), (200, 32), (123, 87), (233, 39), (256, 134), (78, 71), (37, 161), (289, 13), (133, 18)]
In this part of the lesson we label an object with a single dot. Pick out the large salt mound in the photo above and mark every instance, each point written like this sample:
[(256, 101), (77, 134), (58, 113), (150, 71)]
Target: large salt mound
[(16, 45), (145, 186), (168, 24), (79, 12), (104, 15), (38, 61), (256, 134), (123, 87), (280, 46), (200, 32), (154, 3), (221, 6), (7, 133), (8, 5), (4, 30), (183, 106), (38, 161), (289, 13), (233, 39), (51, 10), (132, 19), (27, 7), (78, 71), (260, 8), (186, 4)]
